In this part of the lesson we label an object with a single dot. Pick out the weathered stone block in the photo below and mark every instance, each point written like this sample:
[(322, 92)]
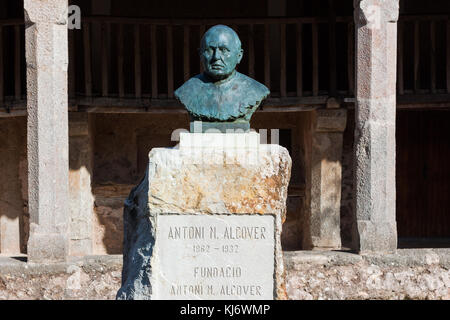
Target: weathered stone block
[(207, 184), (323, 212)]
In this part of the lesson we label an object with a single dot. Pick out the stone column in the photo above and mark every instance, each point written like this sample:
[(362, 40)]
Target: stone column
[(376, 52), (80, 192), (47, 60), (323, 214)]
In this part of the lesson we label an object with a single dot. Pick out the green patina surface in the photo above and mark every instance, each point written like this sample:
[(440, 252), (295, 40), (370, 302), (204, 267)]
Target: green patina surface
[(221, 94)]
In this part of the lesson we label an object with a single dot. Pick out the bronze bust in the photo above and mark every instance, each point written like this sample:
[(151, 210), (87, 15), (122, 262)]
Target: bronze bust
[(221, 97)]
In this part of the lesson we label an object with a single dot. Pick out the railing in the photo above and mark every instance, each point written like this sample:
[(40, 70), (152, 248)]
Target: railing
[(423, 55), (123, 62), (163, 54), (12, 64)]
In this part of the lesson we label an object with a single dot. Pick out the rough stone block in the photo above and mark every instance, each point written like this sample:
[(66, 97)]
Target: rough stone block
[(323, 213), (202, 185)]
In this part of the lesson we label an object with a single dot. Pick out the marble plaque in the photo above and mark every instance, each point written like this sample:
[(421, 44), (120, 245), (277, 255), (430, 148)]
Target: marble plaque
[(214, 257)]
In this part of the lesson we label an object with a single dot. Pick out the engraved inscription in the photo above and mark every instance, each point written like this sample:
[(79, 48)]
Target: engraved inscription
[(214, 257)]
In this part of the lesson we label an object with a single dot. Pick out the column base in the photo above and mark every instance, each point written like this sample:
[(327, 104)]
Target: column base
[(377, 237), (47, 248)]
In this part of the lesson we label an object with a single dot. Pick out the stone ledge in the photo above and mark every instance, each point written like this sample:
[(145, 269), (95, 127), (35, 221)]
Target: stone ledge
[(292, 259), (402, 257), (407, 274), (17, 265)]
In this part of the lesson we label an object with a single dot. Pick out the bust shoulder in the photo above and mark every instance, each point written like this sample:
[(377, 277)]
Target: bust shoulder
[(228, 100)]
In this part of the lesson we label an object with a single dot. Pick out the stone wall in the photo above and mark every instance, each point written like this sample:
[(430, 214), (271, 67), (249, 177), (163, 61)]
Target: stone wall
[(14, 218), (408, 274), (85, 278), (119, 146)]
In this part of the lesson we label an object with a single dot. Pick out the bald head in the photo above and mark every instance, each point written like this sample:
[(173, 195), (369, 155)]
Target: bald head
[(221, 31), (220, 51)]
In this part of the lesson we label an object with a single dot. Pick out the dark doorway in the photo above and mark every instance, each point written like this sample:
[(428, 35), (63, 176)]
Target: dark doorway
[(423, 178)]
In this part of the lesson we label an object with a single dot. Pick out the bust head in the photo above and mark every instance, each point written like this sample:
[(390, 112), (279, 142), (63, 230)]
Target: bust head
[(221, 96), (220, 52)]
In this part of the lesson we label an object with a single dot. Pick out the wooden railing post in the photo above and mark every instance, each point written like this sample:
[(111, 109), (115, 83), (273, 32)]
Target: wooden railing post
[(72, 69), (400, 85), (283, 92), (448, 56), (351, 58), (87, 59), (315, 60), (186, 53), (332, 48), (433, 56), (299, 60), (2, 93), (251, 52), (416, 56), (201, 32), (105, 27), (137, 62), (169, 31), (120, 57), (17, 64), (154, 62), (267, 55)]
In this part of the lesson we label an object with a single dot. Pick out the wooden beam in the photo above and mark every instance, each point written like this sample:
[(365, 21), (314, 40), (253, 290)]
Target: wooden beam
[(226, 21)]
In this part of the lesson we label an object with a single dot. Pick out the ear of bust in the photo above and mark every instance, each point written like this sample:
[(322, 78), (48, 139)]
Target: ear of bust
[(240, 55)]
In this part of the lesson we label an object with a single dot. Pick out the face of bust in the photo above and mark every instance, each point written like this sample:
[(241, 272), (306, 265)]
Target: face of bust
[(220, 53)]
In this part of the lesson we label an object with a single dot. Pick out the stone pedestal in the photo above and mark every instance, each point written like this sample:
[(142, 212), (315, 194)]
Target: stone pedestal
[(205, 221)]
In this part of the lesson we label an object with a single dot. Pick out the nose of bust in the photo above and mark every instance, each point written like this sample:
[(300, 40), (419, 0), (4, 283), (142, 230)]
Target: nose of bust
[(216, 55)]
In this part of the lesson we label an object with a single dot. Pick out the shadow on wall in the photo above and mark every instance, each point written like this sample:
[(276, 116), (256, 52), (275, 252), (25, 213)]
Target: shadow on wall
[(121, 143), (14, 218), (347, 181), (117, 146)]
